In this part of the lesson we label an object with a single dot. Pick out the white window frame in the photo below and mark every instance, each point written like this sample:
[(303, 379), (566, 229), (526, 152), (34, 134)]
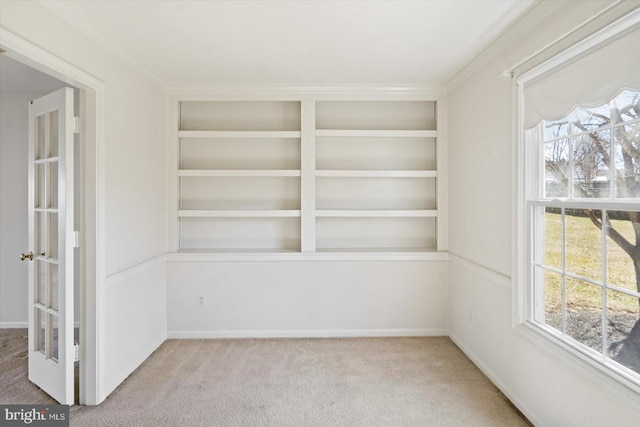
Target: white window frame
[(527, 174)]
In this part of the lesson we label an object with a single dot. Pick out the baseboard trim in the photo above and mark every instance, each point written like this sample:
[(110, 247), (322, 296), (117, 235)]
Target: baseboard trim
[(14, 325), (495, 380), (320, 333)]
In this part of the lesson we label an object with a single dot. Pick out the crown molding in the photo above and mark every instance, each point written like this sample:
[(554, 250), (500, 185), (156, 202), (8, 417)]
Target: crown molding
[(308, 92), (69, 14), (535, 17), (529, 18)]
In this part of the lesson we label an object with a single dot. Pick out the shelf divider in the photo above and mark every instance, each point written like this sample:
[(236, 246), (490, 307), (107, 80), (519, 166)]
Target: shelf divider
[(308, 177)]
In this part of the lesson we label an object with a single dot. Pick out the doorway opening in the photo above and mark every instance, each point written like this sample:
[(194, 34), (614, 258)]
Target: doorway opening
[(27, 73)]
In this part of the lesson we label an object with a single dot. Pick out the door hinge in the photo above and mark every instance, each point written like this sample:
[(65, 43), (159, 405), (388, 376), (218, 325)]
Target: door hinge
[(76, 124), (76, 352), (76, 238)]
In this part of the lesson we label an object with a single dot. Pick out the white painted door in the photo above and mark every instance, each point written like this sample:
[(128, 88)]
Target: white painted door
[(51, 245)]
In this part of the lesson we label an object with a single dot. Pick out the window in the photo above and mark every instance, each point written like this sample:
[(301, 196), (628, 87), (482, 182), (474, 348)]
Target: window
[(581, 200), (586, 255)]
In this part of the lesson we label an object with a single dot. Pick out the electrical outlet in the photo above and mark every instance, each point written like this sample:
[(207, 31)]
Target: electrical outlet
[(202, 301)]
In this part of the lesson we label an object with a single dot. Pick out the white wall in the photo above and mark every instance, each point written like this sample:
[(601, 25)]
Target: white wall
[(548, 386), (134, 215), (306, 298), (13, 209)]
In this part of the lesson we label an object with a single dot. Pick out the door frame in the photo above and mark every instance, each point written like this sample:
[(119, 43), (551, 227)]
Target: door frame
[(92, 202)]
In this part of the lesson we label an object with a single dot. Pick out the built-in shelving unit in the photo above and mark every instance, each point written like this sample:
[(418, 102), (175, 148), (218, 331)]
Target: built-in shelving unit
[(375, 175), (239, 172), (325, 176)]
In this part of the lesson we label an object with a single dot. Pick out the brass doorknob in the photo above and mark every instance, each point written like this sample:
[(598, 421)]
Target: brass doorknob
[(26, 256)]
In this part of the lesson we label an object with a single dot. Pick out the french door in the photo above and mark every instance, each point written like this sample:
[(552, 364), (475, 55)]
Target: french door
[(51, 244)]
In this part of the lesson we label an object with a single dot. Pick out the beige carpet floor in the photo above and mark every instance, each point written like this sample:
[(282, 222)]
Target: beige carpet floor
[(287, 382)]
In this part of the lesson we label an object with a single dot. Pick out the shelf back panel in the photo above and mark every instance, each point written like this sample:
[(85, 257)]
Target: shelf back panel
[(239, 193), (240, 233), (240, 115), (376, 193), (375, 115), (335, 153), (239, 153), (376, 233)]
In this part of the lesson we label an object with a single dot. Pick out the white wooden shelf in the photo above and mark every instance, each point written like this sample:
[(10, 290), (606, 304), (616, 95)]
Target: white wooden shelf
[(377, 173), (239, 213), (239, 172), (379, 213), (377, 133), (377, 250), (309, 179), (237, 134)]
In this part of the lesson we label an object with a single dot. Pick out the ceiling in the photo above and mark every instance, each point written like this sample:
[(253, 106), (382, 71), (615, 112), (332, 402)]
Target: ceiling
[(203, 43)]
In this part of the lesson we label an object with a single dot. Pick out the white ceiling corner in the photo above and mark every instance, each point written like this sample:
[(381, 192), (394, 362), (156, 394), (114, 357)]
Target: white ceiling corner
[(181, 44)]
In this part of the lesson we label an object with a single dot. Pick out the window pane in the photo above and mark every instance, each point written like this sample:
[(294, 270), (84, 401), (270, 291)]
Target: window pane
[(627, 163), (583, 251), (553, 299), (553, 237), (586, 119), (556, 166), (40, 192), (620, 266), (623, 314), (53, 150), (41, 134), (553, 130), (40, 277), (590, 164), (53, 235), (53, 184), (53, 324), (584, 312), (53, 286), (626, 106), (41, 234), (40, 332)]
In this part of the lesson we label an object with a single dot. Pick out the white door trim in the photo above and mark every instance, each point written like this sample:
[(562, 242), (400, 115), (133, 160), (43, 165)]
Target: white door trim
[(92, 140)]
